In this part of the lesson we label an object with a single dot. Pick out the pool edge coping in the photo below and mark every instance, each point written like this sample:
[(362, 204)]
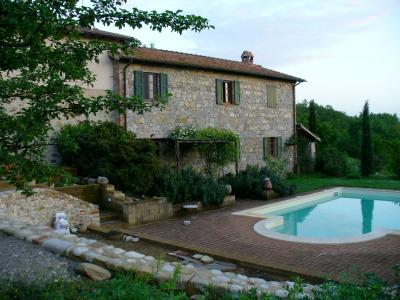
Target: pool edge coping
[(259, 227)]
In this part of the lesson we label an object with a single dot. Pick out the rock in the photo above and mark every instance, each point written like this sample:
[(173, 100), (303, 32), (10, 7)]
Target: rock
[(102, 180), (186, 222), (281, 293), (168, 268), (228, 188), (216, 272), (78, 251), (207, 259), (242, 277), (197, 256), (57, 246), (222, 266), (129, 238), (93, 272), (220, 279), (133, 254), (235, 288), (91, 180)]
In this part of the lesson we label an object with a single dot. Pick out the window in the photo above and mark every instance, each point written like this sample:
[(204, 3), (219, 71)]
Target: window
[(151, 85), (272, 147), (271, 96), (227, 91)]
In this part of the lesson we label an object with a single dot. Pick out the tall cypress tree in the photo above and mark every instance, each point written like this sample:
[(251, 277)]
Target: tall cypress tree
[(312, 117), (367, 149)]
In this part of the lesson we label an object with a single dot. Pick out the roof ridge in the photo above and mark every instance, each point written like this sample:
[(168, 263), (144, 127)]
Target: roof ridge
[(199, 55)]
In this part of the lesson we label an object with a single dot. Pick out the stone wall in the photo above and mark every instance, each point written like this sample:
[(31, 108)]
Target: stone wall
[(41, 207), (147, 211), (193, 103)]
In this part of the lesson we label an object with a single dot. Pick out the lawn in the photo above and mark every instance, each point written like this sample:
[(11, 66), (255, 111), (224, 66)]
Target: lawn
[(309, 183)]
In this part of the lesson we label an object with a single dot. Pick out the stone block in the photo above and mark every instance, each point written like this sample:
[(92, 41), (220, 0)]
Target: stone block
[(57, 246)]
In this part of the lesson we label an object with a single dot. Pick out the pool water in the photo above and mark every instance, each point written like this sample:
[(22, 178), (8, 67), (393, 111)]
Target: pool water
[(339, 215)]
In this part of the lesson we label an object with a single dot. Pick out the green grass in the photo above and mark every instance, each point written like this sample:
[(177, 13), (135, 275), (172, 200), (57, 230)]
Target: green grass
[(310, 183), (128, 286)]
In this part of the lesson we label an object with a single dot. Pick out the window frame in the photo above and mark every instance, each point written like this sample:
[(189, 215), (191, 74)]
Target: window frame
[(228, 86), (156, 86)]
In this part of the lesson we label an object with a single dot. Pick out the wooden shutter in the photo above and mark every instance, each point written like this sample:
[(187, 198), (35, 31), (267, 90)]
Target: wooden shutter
[(265, 147), (218, 91), (164, 86), (271, 96), (236, 92), (138, 84), (278, 144)]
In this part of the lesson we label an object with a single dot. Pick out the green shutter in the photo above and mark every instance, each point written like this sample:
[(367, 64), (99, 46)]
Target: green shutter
[(271, 96), (265, 148), (138, 83), (218, 91), (164, 86), (236, 93), (279, 147)]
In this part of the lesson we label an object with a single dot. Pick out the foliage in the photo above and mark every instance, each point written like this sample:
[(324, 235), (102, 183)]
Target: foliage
[(305, 162), (124, 285), (248, 183), (344, 132), (106, 149), (317, 181), (312, 117), (188, 185), (395, 159), (44, 71), (215, 155), (367, 148), (332, 162)]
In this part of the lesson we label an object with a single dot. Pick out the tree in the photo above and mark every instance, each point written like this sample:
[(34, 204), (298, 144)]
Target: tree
[(312, 117), (367, 151), (43, 55)]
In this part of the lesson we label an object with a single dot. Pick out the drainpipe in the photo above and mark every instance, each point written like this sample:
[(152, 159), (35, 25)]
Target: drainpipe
[(121, 118), (125, 94), (295, 166)]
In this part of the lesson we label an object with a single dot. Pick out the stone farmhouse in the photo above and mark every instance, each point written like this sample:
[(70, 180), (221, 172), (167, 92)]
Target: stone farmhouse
[(253, 101)]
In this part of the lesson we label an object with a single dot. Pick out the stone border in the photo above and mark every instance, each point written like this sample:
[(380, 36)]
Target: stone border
[(191, 278), (263, 227)]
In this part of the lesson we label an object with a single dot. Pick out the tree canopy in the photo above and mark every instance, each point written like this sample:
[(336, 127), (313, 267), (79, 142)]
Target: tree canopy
[(44, 66), (344, 133)]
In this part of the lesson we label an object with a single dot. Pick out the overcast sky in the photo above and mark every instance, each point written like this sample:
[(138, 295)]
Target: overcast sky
[(347, 50)]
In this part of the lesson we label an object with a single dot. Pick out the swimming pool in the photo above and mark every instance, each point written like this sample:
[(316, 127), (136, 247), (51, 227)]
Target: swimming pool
[(338, 215)]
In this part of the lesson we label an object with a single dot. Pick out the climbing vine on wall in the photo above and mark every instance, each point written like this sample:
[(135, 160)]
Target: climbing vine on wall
[(222, 149)]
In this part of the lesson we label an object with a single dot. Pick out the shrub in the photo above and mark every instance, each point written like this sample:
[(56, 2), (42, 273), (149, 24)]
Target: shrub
[(188, 185), (332, 162), (352, 167), (248, 183), (106, 149)]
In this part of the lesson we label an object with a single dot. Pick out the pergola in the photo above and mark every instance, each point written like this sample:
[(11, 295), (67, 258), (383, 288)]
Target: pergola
[(177, 142)]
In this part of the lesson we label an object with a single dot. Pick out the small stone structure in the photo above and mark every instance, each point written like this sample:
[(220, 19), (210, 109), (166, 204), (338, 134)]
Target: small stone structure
[(41, 207), (147, 210)]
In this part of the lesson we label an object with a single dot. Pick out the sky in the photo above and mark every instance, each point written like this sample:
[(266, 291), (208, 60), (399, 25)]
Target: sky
[(347, 50)]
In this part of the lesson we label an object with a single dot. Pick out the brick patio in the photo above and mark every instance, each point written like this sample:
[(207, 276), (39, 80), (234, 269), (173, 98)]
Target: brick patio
[(228, 236)]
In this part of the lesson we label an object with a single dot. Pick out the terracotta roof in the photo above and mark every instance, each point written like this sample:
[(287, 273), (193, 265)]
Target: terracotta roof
[(304, 130), (94, 32), (179, 59)]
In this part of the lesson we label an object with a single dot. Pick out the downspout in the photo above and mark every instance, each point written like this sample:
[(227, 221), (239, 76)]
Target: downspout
[(295, 166), (125, 93), (121, 118)]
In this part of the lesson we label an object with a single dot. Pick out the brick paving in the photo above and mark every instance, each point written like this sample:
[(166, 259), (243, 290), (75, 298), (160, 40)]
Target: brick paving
[(232, 237)]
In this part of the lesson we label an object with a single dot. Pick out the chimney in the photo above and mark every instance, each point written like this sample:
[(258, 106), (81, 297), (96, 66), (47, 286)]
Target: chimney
[(247, 57)]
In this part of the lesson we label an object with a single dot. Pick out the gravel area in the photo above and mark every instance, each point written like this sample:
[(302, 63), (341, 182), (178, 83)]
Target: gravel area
[(23, 261)]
